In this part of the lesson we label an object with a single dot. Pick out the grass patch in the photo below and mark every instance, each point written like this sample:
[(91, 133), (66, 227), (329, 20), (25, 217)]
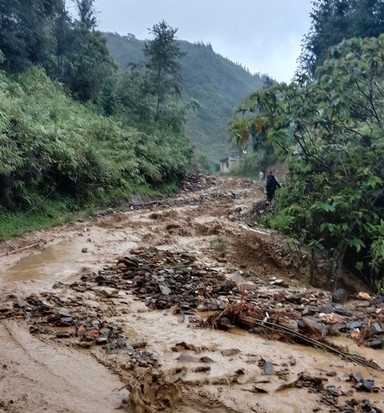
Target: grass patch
[(56, 212), (220, 245)]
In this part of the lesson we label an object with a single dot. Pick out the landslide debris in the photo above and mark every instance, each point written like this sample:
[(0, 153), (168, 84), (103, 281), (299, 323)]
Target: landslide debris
[(178, 281), (223, 291)]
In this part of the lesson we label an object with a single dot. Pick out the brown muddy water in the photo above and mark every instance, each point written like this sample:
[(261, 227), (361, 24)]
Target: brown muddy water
[(66, 257), (67, 377), (49, 375), (50, 263), (39, 373)]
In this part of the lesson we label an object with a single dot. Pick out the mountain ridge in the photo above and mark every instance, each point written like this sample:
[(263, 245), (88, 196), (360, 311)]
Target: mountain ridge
[(215, 81)]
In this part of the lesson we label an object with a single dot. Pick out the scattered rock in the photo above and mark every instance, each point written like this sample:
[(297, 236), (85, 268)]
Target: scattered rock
[(339, 296), (187, 358), (269, 370), (206, 359), (230, 352)]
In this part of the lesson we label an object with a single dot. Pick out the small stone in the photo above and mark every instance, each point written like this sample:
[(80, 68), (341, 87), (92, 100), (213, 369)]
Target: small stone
[(64, 314), (206, 359), (65, 322), (202, 369), (339, 296), (165, 290), (354, 325), (365, 385), (105, 332), (376, 328), (331, 318), (88, 339), (230, 352), (81, 331), (141, 344), (269, 370), (363, 296), (326, 309), (187, 358), (92, 333), (357, 376), (108, 292), (292, 361), (375, 344), (21, 304), (101, 340), (332, 390)]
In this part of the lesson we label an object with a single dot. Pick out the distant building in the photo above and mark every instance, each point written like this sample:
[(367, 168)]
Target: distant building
[(226, 163)]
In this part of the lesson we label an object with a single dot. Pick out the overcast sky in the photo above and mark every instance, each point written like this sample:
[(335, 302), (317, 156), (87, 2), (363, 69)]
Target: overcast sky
[(263, 35)]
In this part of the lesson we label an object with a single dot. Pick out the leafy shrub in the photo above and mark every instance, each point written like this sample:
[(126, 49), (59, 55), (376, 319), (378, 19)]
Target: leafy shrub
[(53, 146)]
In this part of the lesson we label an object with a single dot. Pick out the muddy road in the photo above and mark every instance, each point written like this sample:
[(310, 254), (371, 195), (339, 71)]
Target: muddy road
[(135, 311)]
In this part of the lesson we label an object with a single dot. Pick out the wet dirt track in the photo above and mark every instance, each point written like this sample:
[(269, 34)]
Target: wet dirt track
[(38, 376), (59, 295)]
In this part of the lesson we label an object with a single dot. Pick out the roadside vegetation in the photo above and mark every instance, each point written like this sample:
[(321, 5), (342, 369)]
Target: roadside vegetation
[(328, 128), (75, 135)]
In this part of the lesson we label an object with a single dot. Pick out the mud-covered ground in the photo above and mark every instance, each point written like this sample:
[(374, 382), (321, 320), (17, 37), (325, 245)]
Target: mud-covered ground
[(182, 305)]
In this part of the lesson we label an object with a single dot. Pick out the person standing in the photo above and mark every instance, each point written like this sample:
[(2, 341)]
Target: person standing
[(271, 186)]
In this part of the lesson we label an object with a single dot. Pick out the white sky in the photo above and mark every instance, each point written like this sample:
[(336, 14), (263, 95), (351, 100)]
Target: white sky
[(263, 35)]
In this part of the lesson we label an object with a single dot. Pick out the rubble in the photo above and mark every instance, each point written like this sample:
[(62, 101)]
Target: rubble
[(198, 290)]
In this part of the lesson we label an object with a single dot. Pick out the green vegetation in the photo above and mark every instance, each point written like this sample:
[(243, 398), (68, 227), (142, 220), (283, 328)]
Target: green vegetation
[(71, 136), (220, 245), (328, 128), (330, 132), (40, 32), (217, 84), (334, 21)]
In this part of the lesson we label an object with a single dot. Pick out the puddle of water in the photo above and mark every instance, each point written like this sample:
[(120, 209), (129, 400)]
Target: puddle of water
[(58, 259), (296, 401)]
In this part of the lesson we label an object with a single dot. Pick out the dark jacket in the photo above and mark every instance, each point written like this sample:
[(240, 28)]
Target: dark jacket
[(272, 184)]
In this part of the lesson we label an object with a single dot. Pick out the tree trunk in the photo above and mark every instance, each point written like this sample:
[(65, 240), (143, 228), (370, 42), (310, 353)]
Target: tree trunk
[(312, 268), (337, 260)]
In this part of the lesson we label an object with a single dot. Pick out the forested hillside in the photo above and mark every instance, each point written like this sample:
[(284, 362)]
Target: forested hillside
[(215, 82), (74, 133)]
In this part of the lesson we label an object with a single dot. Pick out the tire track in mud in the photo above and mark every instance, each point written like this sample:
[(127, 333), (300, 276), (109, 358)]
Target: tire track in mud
[(52, 378)]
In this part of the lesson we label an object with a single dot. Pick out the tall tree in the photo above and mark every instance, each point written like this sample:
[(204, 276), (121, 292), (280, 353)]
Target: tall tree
[(64, 39), (89, 60), (335, 20), (27, 33), (162, 65), (87, 18), (331, 133)]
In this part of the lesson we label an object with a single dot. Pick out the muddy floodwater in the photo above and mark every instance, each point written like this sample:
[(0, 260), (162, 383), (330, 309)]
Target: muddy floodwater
[(111, 315), (49, 264)]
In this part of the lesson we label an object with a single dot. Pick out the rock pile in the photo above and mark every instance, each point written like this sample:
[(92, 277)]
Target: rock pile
[(166, 280)]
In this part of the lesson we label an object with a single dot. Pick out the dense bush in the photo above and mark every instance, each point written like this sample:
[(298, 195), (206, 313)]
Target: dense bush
[(50, 144), (330, 131)]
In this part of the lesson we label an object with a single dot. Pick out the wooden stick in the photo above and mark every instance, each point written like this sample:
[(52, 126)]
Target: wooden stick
[(20, 249)]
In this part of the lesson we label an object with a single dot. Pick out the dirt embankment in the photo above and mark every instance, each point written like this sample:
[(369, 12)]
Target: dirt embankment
[(180, 306)]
